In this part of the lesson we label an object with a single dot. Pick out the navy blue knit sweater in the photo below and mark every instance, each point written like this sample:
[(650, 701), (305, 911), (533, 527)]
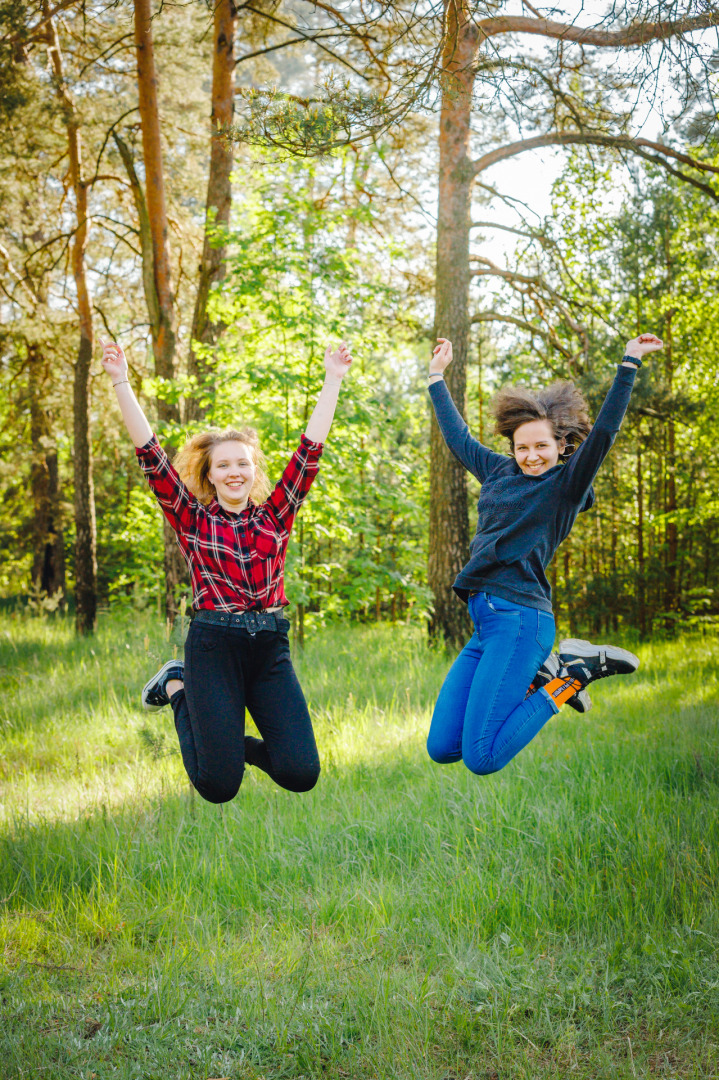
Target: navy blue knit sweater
[(522, 520)]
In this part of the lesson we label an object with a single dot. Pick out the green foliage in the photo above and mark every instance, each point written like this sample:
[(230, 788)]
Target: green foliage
[(309, 128), (401, 920), (300, 277)]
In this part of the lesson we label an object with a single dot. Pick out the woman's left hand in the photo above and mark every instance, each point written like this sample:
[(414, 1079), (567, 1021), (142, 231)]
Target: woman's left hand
[(645, 343), (338, 363)]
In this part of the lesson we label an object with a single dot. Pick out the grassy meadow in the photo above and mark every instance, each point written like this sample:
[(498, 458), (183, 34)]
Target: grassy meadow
[(403, 920)]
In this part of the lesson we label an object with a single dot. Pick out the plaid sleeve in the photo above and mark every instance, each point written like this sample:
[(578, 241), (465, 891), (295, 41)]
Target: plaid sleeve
[(292, 489), (177, 502)]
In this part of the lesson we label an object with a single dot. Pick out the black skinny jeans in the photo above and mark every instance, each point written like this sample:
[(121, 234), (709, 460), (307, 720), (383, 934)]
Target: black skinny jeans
[(226, 669)]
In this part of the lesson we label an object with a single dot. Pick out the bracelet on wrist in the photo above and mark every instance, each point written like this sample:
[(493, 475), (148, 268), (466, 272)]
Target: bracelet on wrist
[(632, 360), (120, 381), (436, 375)]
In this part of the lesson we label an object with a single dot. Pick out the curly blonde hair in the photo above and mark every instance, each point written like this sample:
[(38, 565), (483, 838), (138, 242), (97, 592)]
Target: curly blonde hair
[(194, 460), (562, 404)]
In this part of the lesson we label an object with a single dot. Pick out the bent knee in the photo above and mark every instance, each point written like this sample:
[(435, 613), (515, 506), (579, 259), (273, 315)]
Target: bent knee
[(483, 766), (439, 753), (298, 780), (218, 790)]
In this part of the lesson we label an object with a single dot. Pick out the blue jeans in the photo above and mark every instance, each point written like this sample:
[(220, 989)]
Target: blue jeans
[(481, 716)]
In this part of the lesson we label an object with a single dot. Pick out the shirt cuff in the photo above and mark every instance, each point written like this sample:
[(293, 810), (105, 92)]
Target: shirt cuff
[(149, 447), (313, 447)]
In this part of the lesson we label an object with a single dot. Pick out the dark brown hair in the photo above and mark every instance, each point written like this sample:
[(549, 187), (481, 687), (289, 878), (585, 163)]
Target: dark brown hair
[(194, 460), (562, 404)]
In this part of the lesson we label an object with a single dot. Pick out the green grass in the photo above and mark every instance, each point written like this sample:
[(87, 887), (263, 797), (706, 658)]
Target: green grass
[(402, 920)]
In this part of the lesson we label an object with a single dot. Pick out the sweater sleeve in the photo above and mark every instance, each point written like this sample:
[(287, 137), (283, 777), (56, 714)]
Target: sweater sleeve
[(469, 451), (583, 465)]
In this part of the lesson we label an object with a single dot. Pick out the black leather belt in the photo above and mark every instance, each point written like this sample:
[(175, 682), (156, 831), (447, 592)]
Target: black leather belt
[(247, 620)]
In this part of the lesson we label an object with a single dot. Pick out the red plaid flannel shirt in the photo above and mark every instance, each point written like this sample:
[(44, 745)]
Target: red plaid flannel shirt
[(236, 561)]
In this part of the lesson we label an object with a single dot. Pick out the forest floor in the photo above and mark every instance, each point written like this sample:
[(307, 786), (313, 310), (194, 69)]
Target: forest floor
[(403, 920)]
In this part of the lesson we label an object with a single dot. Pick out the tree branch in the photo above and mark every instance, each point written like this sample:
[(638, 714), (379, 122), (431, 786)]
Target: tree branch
[(639, 146), (548, 334), (283, 45), (634, 34), (362, 38), (23, 282), (25, 36), (569, 138), (307, 37)]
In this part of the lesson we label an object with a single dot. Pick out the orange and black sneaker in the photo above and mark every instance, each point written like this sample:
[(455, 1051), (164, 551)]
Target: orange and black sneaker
[(586, 663), (552, 669)]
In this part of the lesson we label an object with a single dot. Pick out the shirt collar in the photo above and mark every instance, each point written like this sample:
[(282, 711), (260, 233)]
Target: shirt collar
[(214, 507)]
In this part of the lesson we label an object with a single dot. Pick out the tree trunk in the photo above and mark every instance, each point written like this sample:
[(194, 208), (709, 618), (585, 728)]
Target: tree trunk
[(48, 564), (219, 198), (85, 530), (448, 519), (670, 505), (641, 590), (163, 328)]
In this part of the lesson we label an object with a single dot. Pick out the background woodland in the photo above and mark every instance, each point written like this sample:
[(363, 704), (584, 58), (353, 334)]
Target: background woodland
[(224, 188)]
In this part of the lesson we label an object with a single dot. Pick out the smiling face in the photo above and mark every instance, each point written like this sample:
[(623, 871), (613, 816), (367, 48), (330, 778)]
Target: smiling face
[(232, 472), (535, 447)]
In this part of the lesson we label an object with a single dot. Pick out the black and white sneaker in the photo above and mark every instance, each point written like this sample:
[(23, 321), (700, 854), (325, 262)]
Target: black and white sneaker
[(552, 669), (154, 694), (586, 662)]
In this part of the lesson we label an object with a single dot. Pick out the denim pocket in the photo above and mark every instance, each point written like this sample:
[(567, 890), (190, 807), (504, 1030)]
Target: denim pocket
[(203, 637), (546, 631), (499, 604)]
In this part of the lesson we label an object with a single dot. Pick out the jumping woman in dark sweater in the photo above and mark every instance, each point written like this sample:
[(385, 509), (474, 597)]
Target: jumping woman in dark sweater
[(527, 507)]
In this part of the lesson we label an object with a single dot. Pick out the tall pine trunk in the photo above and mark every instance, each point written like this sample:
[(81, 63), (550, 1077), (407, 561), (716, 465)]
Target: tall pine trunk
[(48, 555), (163, 326), (448, 519), (670, 506), (84, 497), (641, 561), (219, 196)]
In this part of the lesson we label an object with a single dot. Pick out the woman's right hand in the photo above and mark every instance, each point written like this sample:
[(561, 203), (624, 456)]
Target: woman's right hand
[(638, 347), (113, 360), (441, 356)]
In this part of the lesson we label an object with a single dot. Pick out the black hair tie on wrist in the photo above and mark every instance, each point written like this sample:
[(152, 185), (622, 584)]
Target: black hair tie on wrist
[(632, 360)]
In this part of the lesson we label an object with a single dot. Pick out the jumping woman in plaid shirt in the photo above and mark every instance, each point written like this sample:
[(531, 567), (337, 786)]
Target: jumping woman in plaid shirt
[(233, 536)]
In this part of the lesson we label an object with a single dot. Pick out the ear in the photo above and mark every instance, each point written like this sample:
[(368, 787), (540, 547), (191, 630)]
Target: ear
[(561, 445)]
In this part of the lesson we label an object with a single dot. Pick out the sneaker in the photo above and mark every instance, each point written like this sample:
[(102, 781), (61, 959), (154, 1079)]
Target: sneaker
[(586, 662), (552, 669), (154, 694)]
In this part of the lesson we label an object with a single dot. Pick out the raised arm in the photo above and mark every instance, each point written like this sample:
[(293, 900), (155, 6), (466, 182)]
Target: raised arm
[(337, 364), (115, 364), (469, 451), (177, 503), (583, 465)]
